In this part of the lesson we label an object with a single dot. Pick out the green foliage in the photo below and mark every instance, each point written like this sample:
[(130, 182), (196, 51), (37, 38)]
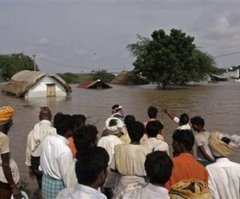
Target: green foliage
[(73, 78), (70, 78), (11, 64), (170, 59), (205, 64), (102, 75)]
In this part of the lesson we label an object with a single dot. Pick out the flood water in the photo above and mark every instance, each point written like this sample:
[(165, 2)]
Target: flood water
[(218, 104)]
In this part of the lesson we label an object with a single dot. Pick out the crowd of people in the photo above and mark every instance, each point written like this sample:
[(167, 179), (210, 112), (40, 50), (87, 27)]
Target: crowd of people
[(129, 160)]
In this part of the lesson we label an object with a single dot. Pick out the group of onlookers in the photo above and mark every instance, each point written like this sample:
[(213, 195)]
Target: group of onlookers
[(130, 159)]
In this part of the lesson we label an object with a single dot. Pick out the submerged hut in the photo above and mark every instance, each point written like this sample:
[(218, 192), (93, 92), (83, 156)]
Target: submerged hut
[(30, 84), (129, 78), (91, 84), (216, 78)]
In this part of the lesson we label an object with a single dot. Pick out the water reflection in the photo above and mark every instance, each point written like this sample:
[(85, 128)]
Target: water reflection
[(49, 101)]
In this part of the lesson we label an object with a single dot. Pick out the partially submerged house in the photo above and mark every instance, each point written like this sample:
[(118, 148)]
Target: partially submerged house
[(30, 84), (216, 78), (91, 84)]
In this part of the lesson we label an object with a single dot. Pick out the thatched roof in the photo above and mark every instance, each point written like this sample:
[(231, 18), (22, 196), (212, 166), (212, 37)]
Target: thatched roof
[(129, 78), (22, 81), (90, 84)]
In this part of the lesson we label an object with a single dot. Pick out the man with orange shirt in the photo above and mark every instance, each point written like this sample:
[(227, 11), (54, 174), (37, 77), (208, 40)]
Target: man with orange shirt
[(185, 165)]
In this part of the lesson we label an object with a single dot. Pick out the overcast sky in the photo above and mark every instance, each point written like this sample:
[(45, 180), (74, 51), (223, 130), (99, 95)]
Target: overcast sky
[(85, 35)]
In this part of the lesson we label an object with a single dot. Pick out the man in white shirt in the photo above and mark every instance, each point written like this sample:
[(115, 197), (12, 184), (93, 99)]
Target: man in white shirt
[(114, 127), (224, 175), (182, 121), (56, 157), (34, 142), (204, 155), (91, 171), (158, 166), (153, 129)]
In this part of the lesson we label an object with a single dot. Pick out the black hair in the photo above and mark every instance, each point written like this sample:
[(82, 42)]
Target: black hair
[(84, 138), (158, 166), (136, 131), (113, 122), (79, 120), (197, 120), (152, 112), (63, 123), (184, 119), (90, 164), (153, 128), (129, 120), (115, 106), (5, 126), (184, 137), (226, 140)]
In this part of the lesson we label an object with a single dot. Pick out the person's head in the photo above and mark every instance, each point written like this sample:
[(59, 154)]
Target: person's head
[(116, 108), (152, 112), (136, 131), (197, 123), (85, 137), (78, 120), (114, 126), (219, 144), (184, 119), (153, 128), (63, 124), (6, 125), (129, 120), (45, 113), (91, 167), (158, 166), (183, 141)]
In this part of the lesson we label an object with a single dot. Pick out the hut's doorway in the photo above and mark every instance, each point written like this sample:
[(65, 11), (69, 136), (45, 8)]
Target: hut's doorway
[(51, 90)]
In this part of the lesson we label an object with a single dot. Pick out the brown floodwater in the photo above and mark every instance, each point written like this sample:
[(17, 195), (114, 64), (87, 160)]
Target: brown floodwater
[(218, 104)]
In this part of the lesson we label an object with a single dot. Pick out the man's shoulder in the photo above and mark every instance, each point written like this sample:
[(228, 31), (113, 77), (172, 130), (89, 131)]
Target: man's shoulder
[(109, 139), (183, 157), (3, 135), (80, 192), (3, 138), (53, 140), (201, 136), (65, 193)]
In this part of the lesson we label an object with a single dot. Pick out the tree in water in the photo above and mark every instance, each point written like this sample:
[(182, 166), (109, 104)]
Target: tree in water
[(170, 59)]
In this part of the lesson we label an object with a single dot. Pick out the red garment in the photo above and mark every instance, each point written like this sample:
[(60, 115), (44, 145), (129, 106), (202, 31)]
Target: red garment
[(185, 166)]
